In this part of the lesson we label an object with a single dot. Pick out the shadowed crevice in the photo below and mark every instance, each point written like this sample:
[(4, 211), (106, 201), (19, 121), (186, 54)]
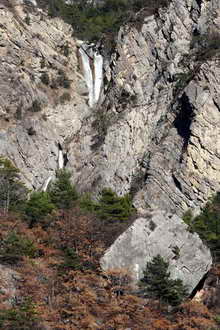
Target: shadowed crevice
[(199, 286), (184, 119)]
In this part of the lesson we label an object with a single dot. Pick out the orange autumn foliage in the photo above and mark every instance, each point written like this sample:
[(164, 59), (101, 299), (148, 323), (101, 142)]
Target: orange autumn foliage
[(86, 297)]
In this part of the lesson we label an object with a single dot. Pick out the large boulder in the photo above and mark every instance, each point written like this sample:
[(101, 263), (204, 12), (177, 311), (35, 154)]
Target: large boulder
[(160, 233)]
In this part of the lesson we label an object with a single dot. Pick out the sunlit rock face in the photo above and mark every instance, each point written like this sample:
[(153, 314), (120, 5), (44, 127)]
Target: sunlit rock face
[(121, 121), (161, 132), (43, 95), (164, 234)]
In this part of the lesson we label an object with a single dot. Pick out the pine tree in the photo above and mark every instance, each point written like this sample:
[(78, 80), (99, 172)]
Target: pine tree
[(87, 204), (62, 192), (111, 207), (38, 206), (13, 193), (207, 224), (157, 284), (71, 260)]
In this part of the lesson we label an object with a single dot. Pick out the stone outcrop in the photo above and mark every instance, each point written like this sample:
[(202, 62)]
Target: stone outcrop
[(165, 234)]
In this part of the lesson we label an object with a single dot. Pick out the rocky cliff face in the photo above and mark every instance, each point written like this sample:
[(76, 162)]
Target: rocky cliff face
[(155, 131), (43, 97), (160, 118)]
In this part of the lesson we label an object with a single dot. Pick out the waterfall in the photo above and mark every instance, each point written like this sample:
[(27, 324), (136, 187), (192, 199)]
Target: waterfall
[(60, 160), (93, 72), (98, 75), (46, 183), (87, 75)]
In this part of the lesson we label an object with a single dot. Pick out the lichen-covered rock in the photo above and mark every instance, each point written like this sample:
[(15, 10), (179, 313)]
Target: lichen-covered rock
[(165, 234)]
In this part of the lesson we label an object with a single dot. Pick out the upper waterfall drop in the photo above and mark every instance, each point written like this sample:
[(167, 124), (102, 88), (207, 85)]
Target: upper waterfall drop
[(92, 66), (98, 75), (87, 75)]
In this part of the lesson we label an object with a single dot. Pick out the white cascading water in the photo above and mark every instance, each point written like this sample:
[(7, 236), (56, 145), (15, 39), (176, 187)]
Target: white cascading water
[(87, 75), (60, 160), (98, 75), (93, 76), (60, 163), (46, 183)]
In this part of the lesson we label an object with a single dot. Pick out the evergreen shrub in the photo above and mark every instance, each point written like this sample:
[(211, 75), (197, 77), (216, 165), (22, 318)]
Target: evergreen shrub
[(207, 224), (23, 317), (13, 192), (45, 78), (38, 206), (14, 246), (157, 283), (111, 207), (62, 193), (71, 260)]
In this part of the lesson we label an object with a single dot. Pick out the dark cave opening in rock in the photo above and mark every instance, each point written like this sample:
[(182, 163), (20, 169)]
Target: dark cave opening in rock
[(184, 119)]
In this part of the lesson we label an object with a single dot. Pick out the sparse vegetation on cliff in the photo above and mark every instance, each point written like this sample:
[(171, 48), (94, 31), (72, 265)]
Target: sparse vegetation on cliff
[(91, 22), (62, 193), (204, 47), (113, 208), (207, 225), (13, 193), (38, 207), (58, 264)]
